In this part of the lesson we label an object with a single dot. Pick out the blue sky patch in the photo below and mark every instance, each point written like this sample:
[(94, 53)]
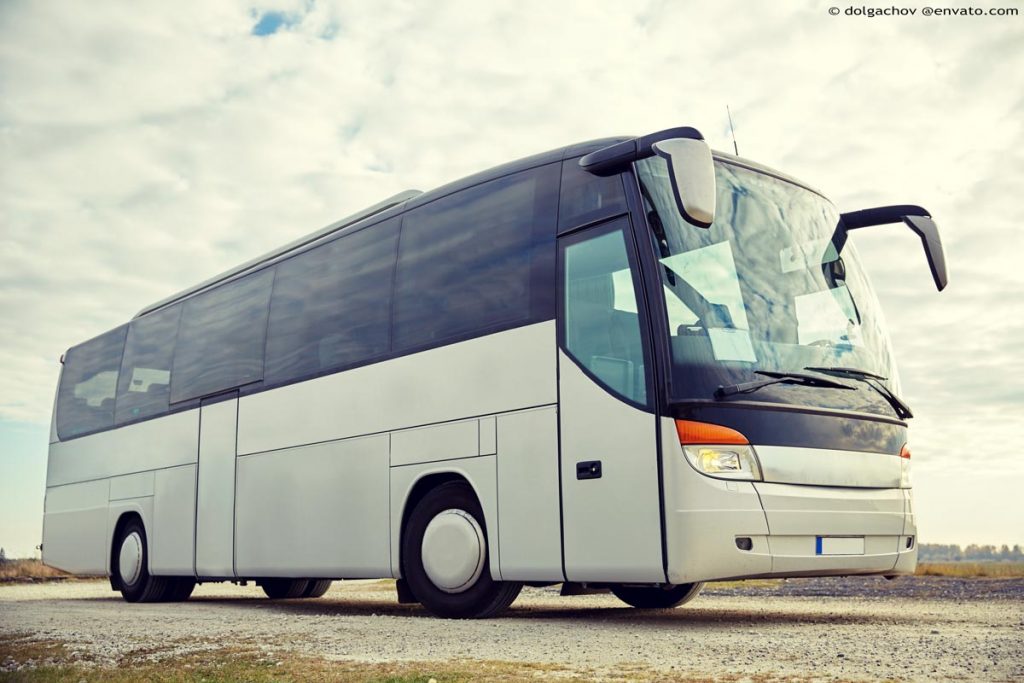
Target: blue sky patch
[(272, 22)]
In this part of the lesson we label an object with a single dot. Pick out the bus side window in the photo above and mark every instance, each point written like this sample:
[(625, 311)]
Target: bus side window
[(88, 385), (144, 384), (477, 260), (220, 344), (331, 306), (586, 198), (601, 319)]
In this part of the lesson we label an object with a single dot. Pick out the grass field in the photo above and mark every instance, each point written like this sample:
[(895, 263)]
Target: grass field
[(27, 570), (25, 659), (970, 570)]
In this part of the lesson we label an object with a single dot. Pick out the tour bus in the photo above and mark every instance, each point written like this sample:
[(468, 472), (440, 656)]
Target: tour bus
[(630, 364)]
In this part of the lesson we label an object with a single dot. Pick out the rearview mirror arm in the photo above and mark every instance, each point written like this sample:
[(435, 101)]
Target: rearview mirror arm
[(612, 158), (915, 217)]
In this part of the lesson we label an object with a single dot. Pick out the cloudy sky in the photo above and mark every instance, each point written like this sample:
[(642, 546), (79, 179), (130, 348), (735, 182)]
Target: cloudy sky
[(145, 146)]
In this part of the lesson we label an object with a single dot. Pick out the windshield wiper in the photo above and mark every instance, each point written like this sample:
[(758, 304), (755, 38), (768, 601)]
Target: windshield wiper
[(898, 404), (779, 378)]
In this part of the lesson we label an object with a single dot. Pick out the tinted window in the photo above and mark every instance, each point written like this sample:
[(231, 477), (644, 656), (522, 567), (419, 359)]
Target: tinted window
[(586, 197), (332, 305), (602, 324), (220, 344), (144, 385), (466, 261), (85, 399)]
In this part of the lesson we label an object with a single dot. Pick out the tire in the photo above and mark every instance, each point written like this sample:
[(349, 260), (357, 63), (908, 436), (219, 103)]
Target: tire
[(284, 589), (479, 597), (130, 563), (179, 589), (656, 597), (316, 588)]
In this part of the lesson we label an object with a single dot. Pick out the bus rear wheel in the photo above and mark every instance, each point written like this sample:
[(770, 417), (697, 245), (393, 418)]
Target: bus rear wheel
[(316, 588), (179, 589), (656, 597), (284, 589), (131, 566), (444, 556)]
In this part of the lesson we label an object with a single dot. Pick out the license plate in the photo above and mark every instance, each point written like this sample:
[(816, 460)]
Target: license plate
[(839, 545)]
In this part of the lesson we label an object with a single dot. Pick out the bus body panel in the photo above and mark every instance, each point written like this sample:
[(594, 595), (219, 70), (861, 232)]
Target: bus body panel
[(799, 510), (827, 467), (612, 523), (172, 533), (83, 474), (317, 511), (496, 373), (138, 485), (169, 441), (215, 490), (434, 443), (529, 513), (907, 560), (75, 527)]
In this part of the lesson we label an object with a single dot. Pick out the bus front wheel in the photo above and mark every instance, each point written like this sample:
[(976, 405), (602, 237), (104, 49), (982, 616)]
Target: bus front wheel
[(444, 556), (657, 597)]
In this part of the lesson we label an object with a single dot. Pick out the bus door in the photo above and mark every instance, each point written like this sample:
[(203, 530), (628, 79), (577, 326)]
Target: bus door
[(215, 486), (610, 497)]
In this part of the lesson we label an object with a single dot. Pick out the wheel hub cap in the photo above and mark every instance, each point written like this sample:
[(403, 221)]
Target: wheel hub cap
[(453, 550), (130, 559)]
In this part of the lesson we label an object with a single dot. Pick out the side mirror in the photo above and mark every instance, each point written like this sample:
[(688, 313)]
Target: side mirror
[(692, 172), (917, 219)]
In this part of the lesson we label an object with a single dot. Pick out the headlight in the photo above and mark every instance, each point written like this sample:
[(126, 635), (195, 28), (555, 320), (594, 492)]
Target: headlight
[(724, 462)]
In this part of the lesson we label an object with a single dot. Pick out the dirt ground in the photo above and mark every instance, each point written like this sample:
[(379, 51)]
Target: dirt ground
[(916, 628)]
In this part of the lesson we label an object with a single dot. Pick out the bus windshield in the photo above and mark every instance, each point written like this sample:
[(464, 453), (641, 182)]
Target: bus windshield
[(764, 290)]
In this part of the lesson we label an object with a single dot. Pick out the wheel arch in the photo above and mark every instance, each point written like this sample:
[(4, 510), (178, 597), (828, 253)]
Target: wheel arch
[(120, 513), (424, 485), (480, 477)]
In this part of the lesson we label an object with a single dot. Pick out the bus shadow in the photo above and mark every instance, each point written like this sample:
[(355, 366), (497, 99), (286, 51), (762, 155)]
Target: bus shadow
[(703, 617)]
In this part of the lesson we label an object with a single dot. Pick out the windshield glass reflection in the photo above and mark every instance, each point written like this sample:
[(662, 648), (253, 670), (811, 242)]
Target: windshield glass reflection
[(764, 288)]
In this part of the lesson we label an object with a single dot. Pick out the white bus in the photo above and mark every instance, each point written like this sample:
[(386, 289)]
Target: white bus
[(627, 364)]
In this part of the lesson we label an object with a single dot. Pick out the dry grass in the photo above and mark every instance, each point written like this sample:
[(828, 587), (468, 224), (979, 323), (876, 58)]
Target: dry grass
[(972, 570), (24, 659), (29, 570)]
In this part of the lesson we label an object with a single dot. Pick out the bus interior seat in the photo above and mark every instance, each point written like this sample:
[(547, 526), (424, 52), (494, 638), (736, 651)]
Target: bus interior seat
[(598, 332)]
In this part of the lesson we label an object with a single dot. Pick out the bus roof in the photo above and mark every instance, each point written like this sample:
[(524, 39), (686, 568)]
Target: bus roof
[(412, 198)]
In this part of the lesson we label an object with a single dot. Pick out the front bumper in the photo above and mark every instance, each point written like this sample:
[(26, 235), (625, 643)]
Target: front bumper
[(709, 522)]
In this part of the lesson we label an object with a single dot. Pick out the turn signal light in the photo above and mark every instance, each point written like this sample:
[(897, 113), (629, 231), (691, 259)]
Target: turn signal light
[(905, 467), (693, 433), (717, 451)]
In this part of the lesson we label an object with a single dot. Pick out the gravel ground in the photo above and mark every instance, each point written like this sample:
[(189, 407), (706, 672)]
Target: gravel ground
[(914, 628)]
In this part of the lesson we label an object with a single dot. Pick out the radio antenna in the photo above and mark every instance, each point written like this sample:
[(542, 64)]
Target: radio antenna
[(735, 148)]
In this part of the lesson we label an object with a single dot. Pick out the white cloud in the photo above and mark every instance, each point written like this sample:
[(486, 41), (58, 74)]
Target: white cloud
[(147, 146)]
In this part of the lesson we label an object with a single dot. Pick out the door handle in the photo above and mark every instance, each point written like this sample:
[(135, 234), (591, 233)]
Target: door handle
[(588, 469)]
